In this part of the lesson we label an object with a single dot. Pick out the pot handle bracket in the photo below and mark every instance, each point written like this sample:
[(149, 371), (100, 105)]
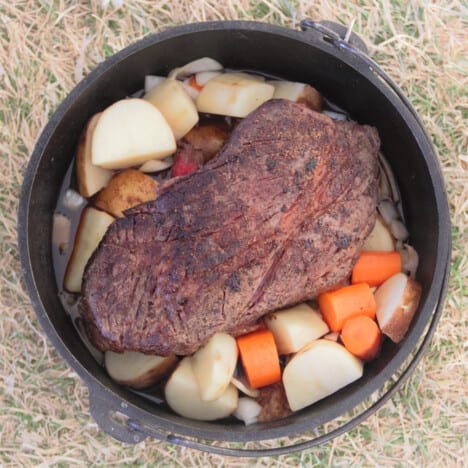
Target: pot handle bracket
[(349, 42), (115, 422)]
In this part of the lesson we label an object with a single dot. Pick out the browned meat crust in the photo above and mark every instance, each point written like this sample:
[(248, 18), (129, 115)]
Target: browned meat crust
[(276, 218)]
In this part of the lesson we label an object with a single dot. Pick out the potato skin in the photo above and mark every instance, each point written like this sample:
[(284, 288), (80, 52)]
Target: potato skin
[(274, 403), (311, 98), (209, 138), (398, 324), (149, 377), (126, 190), (90, 178)]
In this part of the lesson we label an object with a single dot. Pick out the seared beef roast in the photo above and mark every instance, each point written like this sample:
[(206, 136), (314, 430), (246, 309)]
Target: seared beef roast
[(279, 216)]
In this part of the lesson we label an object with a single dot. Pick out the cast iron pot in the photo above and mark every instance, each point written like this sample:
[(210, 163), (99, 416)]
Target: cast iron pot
[(339, 67)]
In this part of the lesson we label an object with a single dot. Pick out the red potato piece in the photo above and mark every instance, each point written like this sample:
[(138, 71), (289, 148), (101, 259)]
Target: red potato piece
[(177, 107), (91, 229), (138, 370), (209, 138), (183, 396), (397, 300), (294, 327), (298, 92), (129, 133), (380, 238), (318, 370), (90, 178), (274, 403), (126, 190)]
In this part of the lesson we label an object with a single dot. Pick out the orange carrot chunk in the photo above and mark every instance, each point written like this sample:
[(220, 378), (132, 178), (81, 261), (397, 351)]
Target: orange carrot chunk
[(194, 84), (361, 337), (345, 303), (376, 267), (259, 358)]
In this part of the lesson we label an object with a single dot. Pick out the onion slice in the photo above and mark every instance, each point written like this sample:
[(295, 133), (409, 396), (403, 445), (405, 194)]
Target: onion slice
[(241, 385), (157, 165), (203, 64)]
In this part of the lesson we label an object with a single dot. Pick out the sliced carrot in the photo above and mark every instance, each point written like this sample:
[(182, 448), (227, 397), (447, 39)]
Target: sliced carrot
[(361, 337), (374, 268), (193, 83), (259, 358), (345, 303)]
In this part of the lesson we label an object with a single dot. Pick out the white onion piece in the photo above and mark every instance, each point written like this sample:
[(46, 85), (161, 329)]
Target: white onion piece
[(203, 77), (151, 81), (239, 383), (200, 65), (335, 115), (73, 200), (385, 190), (388, 211), (157, 165), (190, 90), (247, 410), (390, 177), (409, 260), (399, 230), (61, 231)]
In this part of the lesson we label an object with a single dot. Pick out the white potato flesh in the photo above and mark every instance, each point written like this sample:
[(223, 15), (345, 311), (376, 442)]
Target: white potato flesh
[(293, 328), (397, 300), (241, 384), (90, 177), (129, 133), (214, 365), (380, 238), (175, 105), (297, 92), (138, 370), (203, 77), (91, 229), (318, 370), (233, 94), (183, 396), (203, 64)]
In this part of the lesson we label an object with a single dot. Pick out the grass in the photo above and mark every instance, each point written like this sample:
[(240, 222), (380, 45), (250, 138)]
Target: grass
[(46, 47)]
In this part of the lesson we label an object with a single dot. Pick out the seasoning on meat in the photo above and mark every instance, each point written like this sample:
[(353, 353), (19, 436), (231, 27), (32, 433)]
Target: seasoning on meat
[(239, 238)]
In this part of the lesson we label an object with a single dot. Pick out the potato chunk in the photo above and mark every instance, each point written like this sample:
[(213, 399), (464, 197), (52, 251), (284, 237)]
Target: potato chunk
[(90, 178), (91, 229), (298, 92), (318, 370), (397, 300), (125, 190), (214, 364), (183, 396), (131, 132), (295, 327), (233, 94), (138, 370), (175, 105), (380, 238)]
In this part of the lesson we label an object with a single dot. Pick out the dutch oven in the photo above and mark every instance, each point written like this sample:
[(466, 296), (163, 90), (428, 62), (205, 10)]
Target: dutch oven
[(337, 64)]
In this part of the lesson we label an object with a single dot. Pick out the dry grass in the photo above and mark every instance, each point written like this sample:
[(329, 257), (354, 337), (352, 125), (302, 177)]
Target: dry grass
[(47, 46)]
